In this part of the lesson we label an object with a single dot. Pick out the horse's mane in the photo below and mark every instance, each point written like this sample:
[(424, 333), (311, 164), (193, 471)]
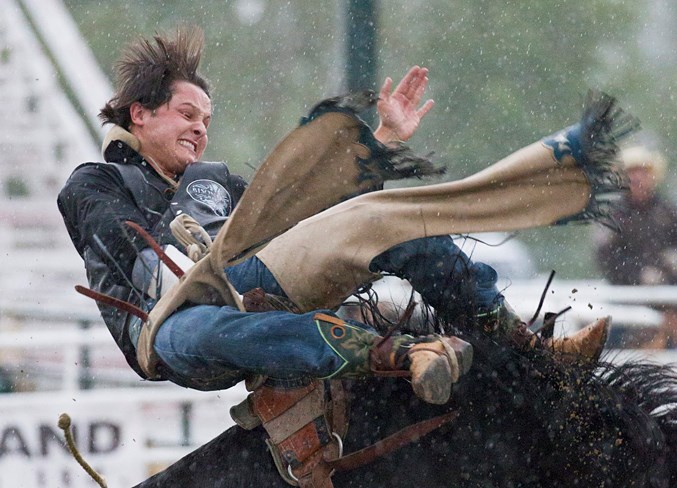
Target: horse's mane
[(595, 424)]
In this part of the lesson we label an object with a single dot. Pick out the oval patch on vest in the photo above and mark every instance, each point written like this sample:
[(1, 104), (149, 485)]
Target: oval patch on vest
[(212, 194), (338, 331)]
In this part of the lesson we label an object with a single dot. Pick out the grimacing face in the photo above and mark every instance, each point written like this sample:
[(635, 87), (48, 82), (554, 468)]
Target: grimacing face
[(174, 135)]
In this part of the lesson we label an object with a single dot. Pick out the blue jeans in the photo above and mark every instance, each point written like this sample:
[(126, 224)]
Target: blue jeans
[(210, 347), (444, 275)]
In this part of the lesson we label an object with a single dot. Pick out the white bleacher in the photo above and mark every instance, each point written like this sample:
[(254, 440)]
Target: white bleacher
[(42, 138)]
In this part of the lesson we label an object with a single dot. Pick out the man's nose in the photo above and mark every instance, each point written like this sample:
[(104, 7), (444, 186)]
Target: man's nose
[(199, 129)]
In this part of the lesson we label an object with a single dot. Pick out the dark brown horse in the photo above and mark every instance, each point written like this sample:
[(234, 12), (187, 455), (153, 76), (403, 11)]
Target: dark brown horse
[(525, 420)]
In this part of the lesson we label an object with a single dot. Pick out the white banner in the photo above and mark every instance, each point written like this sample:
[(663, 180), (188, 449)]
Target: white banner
[(33, 452)]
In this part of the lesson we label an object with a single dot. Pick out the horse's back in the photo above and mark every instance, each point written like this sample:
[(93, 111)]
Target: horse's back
[(236, 458)]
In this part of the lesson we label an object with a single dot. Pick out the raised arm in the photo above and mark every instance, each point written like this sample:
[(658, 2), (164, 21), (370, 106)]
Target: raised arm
[(399, 111)]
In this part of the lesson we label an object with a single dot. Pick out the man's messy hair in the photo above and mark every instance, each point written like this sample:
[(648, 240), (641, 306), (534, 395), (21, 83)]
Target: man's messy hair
[(147, 68)]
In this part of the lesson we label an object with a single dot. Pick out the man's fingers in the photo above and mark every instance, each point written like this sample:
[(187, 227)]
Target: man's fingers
[(429, 104), (385, 88), (415, 83), (419, 89), (407, 86)]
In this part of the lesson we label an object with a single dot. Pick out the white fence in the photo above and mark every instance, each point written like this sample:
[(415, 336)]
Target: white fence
[(589, 300), (125, 427), (631, 307)]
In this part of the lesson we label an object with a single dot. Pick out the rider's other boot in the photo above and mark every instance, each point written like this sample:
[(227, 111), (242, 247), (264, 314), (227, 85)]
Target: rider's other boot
[(586, 344), (433, 362)]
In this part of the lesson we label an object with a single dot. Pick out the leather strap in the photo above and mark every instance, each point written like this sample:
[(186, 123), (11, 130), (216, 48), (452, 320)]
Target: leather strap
[(305, 411), (301, 423), (339, 408), (257, 300), (112, 301), (391, 443), (152, 243)]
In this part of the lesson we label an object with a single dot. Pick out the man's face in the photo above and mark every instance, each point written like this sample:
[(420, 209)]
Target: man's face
[(642, 184), (174, 135)]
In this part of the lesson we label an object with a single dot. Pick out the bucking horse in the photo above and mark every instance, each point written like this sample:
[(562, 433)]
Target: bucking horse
[(519, 417)]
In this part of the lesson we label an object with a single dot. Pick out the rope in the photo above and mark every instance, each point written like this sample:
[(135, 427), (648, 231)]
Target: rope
[(65, 425), (192, 236)]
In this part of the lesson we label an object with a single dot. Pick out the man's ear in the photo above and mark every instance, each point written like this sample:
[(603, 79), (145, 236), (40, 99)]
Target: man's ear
[(137, 113)]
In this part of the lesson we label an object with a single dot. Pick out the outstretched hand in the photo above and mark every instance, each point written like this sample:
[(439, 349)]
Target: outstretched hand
[(398, 111)]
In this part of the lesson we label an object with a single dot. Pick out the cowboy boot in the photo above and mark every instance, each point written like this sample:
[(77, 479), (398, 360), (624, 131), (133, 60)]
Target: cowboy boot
[(433, 362), (586, 344)]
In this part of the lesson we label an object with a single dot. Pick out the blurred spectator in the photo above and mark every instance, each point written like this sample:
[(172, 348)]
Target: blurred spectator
[(645, 251)]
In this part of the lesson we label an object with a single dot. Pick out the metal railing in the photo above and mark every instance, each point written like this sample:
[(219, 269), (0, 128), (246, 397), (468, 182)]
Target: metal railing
[(591, 299)]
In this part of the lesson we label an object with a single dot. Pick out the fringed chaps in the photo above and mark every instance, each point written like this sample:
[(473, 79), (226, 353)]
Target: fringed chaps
[(323, 259), (333, 156)]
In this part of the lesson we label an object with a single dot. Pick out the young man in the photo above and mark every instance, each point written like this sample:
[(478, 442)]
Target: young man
[(152, 174)]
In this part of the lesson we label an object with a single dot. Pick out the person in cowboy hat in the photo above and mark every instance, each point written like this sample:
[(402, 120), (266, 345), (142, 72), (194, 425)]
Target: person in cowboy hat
[(645, 251)]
